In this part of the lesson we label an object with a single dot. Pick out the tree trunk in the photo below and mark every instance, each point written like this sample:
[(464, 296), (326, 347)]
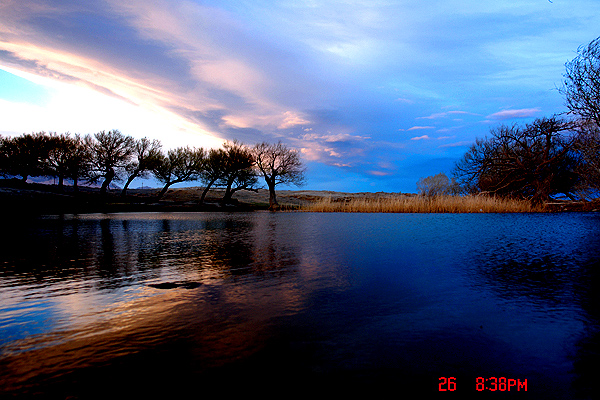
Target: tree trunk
[(107, 179), (228, 193), (206, 190), (273, 205), (164, 190), (129, 180), (61, 180), (227, 197)]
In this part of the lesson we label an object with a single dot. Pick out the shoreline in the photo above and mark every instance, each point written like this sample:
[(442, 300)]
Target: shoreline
[(18, 199)]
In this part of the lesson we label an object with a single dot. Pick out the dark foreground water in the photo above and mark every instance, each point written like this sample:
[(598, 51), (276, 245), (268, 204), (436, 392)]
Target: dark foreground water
[(166, 305)]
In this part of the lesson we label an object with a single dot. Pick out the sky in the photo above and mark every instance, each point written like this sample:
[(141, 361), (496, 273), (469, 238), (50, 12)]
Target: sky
[(373, 94)]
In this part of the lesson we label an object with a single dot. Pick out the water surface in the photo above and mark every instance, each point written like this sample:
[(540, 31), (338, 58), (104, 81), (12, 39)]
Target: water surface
[(168, 303)]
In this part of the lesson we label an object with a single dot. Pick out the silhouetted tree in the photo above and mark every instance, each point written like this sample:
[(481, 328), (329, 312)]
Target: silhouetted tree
[(26, 155), (437, 185), (182, 164), (278, 164), (67, 158), (535, 161), (581, 86), (581, 89), (214, 168), (111, 152), (57, 157), (238, 171), (587, 148), (79, 161), (4, 155), (146, 156)]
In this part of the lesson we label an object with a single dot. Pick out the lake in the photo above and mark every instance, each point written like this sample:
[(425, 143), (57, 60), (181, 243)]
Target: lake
[(445, 305)]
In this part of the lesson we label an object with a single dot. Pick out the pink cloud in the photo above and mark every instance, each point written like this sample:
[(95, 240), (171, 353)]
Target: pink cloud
[(424, 137), (379, 173), (332, 138), (443, 114), (509, 114), (457, 144)]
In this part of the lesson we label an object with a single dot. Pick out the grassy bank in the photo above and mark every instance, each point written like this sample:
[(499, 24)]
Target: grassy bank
[(17, 198), (420, 204)]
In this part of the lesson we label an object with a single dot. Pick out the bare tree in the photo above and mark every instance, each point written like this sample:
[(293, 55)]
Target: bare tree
[(146, 155), (40, 154), (534, 162), (4, 155), (26, 155), (581, 86), (238, 170), (214, 168), (587, 147), (278, 164), (111, 152), (79, 161), (183, 164), (437, 185), (63, 151), (7, 149), (581, 89)]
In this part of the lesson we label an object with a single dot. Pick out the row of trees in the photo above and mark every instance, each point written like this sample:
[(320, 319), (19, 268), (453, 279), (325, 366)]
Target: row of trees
[(544, 158), (109, 156)]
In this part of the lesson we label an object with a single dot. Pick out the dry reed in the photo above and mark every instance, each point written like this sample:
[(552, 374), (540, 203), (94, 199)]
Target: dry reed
[(421, 204)]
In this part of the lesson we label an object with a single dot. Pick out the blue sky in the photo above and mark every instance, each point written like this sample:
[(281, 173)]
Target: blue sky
[(375, 94)]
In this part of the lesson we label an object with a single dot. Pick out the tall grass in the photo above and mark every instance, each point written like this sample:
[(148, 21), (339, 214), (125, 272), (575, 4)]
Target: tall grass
[(421, 204)]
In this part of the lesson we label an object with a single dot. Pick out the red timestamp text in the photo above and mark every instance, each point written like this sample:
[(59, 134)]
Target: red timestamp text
[(491, 384), (447, 384), (501, 384)]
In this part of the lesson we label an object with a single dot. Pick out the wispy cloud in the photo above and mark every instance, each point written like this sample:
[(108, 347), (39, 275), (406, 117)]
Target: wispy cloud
[(463, 143), (445, 114), (331, 137), (174, 60), (417, 128), (327, 155), (379, 173), (339, 88), (512, 114), (292, 119), (424, 137)]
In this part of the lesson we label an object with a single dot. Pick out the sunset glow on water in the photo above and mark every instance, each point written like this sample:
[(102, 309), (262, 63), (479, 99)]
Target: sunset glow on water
[(340, 301)]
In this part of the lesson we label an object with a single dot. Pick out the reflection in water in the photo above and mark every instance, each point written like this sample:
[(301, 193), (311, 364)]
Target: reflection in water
[(165, 303)]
